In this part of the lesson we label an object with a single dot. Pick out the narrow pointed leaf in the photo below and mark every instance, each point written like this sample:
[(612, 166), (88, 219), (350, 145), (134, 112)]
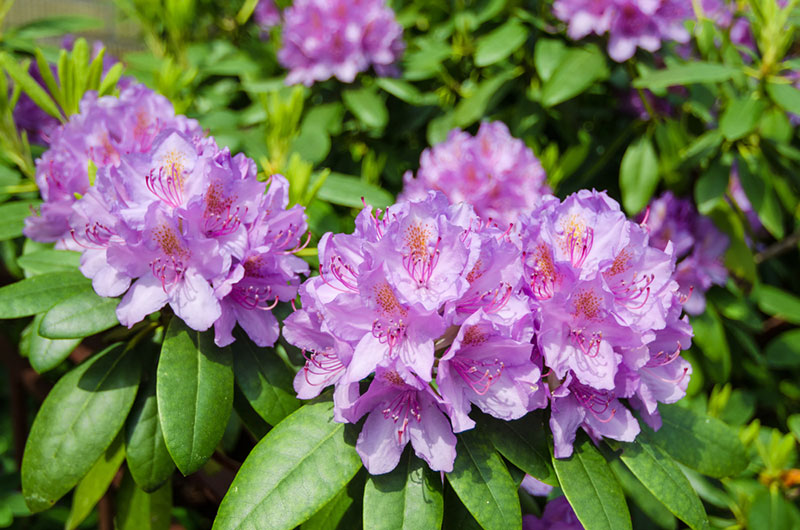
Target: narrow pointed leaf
[(139, 510), (195, 394), (702, 443), (40, 293), (661, 476), (483, 483), (500, 43), (93, 486), (264, 380), (295, 470), (409, 497), (148, 460), (45, 354), (29, 85), (524, 443), (591, 488), (76, 424), (109, 82), (79, 316)]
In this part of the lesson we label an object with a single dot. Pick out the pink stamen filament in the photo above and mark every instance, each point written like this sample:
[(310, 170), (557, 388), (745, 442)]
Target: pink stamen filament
[(390, 333), (666, 380), (403, 405), (593, 344), (499, 299), (254, 297), (478, 374), (169, 271), (299, 246), (590, 400), (223, 224), (662, 358), (579, 249), (167, 185), (420, 265), (321, 364), (629, 293)]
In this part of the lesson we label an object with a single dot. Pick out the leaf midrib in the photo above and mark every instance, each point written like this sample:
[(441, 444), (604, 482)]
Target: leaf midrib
[(480, 471)]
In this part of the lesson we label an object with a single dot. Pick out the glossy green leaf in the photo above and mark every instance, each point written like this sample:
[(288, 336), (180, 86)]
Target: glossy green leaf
[(579, 69), (93, 486), (76, 424), (784, 350), (638, 175), (476, 105), (547, 55), (49, 260), (40, 293), (642, 498), (347, 190), (591, 488), (343, 511), (264, 380), (408, 497), (12, 218), (148, 460), (524, 443), (787, 96), (45, 354), (482, 482), (500, 43), (702, 443), (769, 510), (661, 476), (194, 389), (297, 468), (139, 510), (777, 302), (709, 335), (740, 118), (407, 92), (109, 82), (79, 316), (368, 106), (686, 74), (711, 187)]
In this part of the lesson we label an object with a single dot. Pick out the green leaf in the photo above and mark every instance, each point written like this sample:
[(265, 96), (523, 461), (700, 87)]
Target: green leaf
[(368, 106), (109, 82), (774, 301), (347, 190), (591, 488), (662, 477), (330, 516), (264, 380), (579, 69), (79, 316), (711, 187), (740, 118), (702, 443), (56, 26), (49, 260), (686, 74), (547, 55), (148, 460), (476, 105), (524, 443), (12, 218), (500, 43), (638, 175), (709, 335), (292, 472), (406, 91), (770, 510), (785, 95), (45, 354), (76, 424), (29, 85), (636, 492), (195, 394), (138, 510), (784, 350), (793, 422), (96, 482), (408, 497), (40, 293), (483, 483)]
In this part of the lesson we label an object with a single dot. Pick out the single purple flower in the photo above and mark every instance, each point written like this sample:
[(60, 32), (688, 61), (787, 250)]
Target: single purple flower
[(267, 15)]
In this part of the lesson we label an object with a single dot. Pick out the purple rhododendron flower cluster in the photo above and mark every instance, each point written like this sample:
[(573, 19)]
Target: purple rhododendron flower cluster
[(441, 311), (106, 129), (698, 245), (327, 38), (493, 171), (608, 317), (187, 224), (629, 23)]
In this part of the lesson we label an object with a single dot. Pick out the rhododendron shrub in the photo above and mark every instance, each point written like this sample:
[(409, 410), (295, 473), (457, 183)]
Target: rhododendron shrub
[(401, 264)]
